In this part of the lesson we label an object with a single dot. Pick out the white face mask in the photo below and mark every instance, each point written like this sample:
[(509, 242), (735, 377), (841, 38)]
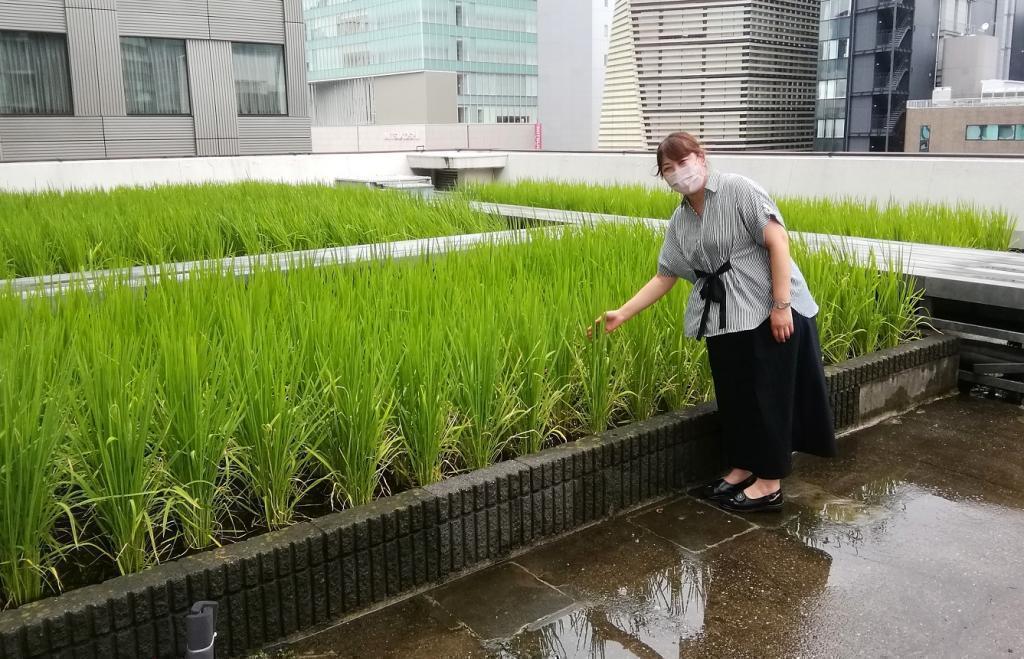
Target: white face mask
[(687, 179)]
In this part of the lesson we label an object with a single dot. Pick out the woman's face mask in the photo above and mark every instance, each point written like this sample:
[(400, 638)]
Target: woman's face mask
[(688, 177)]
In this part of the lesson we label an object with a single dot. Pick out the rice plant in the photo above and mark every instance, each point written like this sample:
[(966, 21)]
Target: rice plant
[(34, 495), (426, 416), (204, 409), (361, 441), (58, 232), (600, 382), (201, 427), (484, 396), (541, 389), (280, 428), (113, 454)]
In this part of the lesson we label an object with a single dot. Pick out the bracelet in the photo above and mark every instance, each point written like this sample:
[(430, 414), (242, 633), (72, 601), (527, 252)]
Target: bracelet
[(782, 305)]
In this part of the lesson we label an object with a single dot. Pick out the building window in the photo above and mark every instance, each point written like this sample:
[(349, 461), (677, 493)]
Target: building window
[(462, 114), (460, 83), (458, 14), (993, 132), (459, 50), (835, 49), (829, 89), (34, 74), (925, 138), (831, 128), (155, 76), (259, 79)]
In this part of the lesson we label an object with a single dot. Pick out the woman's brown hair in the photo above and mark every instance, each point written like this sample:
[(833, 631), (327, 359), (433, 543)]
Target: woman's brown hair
[(676, 147)]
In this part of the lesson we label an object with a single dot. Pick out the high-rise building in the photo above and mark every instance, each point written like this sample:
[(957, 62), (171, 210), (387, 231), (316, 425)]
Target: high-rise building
[(877, 55), (422, 61), (96, 79), (739, 73), (864, 74), (572, 42)]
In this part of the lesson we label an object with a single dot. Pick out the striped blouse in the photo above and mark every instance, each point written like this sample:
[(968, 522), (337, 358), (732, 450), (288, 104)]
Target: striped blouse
[(736, 212)]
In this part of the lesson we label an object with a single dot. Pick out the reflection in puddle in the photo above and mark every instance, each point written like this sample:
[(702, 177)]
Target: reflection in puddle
[(643, 619)]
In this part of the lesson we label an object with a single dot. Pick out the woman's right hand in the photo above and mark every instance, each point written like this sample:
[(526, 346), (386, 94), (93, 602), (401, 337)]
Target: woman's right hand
[(612, 321)]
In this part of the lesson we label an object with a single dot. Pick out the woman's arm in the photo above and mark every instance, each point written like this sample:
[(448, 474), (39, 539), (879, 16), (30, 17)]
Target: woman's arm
[(652, 291), (776, 240)]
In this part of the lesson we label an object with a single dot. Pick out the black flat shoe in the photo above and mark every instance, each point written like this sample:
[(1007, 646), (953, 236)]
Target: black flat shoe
[(722, 490), (741, 503)]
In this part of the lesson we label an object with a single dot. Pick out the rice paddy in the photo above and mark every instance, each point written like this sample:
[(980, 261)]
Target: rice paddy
[(140, 425), (55, 232), (960, 226)]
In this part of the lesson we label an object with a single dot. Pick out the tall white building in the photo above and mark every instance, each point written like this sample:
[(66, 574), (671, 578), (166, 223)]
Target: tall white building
[(741, 74), (572, 46)]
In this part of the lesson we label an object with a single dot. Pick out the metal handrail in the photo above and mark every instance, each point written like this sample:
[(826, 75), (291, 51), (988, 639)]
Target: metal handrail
[(1017, 99)]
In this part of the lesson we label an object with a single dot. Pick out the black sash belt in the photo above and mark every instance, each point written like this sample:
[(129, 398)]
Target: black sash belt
[(712, 289)]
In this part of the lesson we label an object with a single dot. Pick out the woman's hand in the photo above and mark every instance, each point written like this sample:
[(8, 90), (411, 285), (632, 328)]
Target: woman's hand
[(612, 321), (782, 324)]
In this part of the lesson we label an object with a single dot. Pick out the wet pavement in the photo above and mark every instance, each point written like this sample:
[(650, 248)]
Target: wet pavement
[(911, 543)]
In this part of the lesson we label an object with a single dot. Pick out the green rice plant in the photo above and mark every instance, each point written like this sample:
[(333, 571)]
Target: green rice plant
[(217, 406), (601, 386), (485, 397), (643, 373), (542, 389), (113, 453), (201, 423), (862, 309), (428, 426), (958, 226), (360, 442), (57, 232), (34, 493), (280, 429)]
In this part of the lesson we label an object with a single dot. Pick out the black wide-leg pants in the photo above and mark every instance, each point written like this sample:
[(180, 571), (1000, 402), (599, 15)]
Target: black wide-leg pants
[(772, 397)]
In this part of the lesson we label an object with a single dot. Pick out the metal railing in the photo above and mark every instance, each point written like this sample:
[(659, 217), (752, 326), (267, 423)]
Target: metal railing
[(1011, 98), (887, 83)]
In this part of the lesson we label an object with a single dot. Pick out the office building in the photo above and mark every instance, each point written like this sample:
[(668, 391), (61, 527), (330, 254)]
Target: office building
[(96, 79), (992, 122), (739, 74), (422, 61), (875, 56)]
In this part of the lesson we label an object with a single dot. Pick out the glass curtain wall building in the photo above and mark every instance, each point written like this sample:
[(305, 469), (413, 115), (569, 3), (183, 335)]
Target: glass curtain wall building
[(489, 45), (833, 68)]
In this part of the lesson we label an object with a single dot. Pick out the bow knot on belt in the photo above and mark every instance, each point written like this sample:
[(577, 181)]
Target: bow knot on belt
[(712, 289)]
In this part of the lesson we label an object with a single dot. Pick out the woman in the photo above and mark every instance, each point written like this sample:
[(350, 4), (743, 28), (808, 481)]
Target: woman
[(751, 303)]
